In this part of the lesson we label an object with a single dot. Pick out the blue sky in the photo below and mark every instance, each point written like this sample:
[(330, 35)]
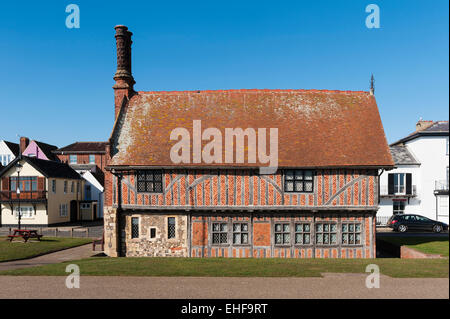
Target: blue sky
[(56, 82)]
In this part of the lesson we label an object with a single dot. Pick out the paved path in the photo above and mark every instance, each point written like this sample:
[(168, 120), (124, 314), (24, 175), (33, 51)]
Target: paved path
[(334, 286), (79, 252)]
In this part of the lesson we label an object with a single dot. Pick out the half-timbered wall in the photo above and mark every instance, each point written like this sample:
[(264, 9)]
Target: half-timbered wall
[(244, 188)]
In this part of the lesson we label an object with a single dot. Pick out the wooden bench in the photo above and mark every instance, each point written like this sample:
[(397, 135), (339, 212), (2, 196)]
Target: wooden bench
[(25, 234), (99, 241)]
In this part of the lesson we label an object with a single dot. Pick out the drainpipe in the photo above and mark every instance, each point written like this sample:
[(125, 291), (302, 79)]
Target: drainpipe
[(119, 212), (382, 171), (436, 193)]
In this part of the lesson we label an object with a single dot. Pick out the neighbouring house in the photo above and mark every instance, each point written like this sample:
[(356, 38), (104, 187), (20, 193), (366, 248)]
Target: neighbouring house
[(89, 160), (420, 183), (320, 203), (38, 149), (8, 152), (50, 192), (398, 187)]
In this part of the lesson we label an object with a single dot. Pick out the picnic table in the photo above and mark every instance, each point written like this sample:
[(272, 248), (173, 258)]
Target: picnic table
[(25, 234)]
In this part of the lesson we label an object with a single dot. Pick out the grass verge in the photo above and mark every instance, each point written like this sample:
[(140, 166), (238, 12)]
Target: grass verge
[(245, 267), (19, 250)]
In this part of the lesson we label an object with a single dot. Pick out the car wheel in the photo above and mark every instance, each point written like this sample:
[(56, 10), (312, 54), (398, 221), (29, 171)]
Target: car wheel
[(402, 228), (437, 228)]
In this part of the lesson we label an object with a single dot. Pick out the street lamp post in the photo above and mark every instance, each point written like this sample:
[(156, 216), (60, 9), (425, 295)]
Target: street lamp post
[(18, 169)]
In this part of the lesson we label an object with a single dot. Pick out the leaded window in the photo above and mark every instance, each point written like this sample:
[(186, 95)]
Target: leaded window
[(134, 227), (302, 234), (149, 181), (351, 233), (282, 234), (326, 234), (240, 233), (299, 181), (219, 233), (171, 227)]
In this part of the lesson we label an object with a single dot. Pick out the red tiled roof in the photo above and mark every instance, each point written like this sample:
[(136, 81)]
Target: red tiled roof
[(83, 147), (316, 128)]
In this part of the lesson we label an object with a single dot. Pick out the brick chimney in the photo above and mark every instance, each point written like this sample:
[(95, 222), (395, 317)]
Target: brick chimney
[(24, 141), (123, 77), (423, 125)]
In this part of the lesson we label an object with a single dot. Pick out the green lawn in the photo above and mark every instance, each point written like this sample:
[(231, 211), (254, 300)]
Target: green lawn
[(20, 250), (428, 245), (234, 267)]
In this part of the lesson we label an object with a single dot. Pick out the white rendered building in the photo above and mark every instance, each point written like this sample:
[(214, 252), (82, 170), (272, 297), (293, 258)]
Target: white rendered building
[(420, 182)]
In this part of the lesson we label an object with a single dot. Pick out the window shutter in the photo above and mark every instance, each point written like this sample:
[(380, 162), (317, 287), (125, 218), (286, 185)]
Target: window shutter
[(391, 184), (40, 183), (5, 183), (408, 184)]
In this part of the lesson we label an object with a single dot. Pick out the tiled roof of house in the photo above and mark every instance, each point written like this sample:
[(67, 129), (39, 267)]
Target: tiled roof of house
[(316, 128), (437, 128), (50, 169), (83, 147), (402, 156), (14, 147), (48, 150)]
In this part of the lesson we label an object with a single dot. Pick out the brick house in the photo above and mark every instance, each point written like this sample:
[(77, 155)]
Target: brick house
[(321, 202), (85, 156)]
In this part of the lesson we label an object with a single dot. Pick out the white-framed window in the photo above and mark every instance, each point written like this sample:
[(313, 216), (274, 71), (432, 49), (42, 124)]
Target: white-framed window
[(5, 159), (398, 207), (62, 210), (25, 212), (399, 183), (91, 159), (72, 159)]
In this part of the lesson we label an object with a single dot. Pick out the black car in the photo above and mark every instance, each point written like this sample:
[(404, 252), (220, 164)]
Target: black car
[(403, 223)]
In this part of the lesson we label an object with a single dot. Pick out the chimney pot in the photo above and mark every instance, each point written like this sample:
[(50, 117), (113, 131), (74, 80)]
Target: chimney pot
[(123, 88)]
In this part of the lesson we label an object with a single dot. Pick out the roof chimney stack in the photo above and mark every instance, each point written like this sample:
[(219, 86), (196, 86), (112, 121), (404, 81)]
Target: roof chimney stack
[(123, 77), (24, 141), (423, 125)]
